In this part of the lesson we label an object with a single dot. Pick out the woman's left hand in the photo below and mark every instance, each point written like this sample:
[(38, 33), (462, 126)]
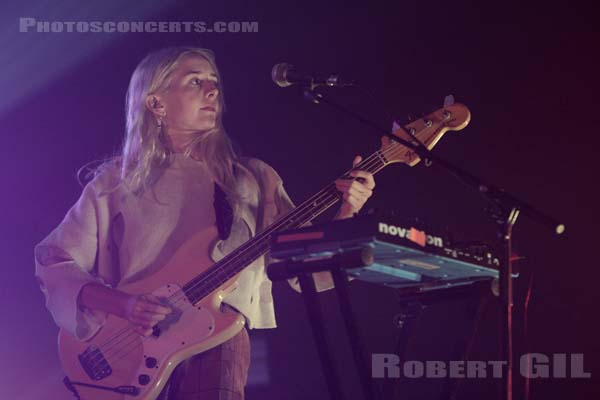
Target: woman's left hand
[(355, 192)]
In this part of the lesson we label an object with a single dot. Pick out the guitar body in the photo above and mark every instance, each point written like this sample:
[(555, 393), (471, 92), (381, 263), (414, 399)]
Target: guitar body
[(116, 356)]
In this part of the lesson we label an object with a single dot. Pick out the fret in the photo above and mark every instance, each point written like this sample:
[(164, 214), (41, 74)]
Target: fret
[(381, 158)]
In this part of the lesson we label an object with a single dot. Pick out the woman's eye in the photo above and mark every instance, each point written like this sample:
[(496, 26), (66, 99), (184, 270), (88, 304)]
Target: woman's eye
[(199, 82)]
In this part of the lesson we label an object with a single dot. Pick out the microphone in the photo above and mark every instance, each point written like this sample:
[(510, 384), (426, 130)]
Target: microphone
[(284, 75)]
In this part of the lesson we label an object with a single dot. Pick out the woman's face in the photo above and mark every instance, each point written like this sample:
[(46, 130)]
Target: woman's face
[(191, 101)]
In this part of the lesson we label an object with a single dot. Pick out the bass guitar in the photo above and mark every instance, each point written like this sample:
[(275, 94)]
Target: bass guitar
[(118, 364)]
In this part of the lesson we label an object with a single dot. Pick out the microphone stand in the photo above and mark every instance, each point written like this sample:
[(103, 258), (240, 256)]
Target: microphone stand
[(505, 212)]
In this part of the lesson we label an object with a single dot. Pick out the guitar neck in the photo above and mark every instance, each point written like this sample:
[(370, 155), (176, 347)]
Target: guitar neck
[(211, 279)]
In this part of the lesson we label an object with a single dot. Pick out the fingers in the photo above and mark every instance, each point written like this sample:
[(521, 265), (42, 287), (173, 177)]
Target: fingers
[(147, 316), (356, 199), (143, 331), (144, 324), (151, 304), (362, 176), (148, 303), (353, 187), (356, 202), (355, 192), (354, 195), (146, 313), (145, 319), (367, 178)]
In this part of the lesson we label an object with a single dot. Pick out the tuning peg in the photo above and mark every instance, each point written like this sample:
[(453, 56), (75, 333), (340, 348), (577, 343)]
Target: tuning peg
[(448, 100)]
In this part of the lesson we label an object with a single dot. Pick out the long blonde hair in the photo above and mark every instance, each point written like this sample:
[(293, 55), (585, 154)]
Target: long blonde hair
[(145, 151)]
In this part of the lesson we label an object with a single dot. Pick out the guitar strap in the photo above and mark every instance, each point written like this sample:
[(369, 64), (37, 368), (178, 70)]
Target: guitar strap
[(223, 212)]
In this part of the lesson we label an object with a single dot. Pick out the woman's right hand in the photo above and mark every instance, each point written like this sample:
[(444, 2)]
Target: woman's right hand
[(144, 311)]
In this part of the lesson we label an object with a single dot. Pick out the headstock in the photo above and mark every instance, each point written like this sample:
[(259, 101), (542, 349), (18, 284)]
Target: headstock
[(428, 130)]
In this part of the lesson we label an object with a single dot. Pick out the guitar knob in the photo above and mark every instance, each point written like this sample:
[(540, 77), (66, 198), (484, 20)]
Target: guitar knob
[(143, 379), (151, 362)]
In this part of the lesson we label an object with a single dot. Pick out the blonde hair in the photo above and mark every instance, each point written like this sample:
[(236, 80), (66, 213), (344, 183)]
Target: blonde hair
[(145, 151)]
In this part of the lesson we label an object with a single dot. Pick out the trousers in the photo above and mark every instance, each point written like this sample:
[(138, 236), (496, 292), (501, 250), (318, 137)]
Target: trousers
[(220, 373)]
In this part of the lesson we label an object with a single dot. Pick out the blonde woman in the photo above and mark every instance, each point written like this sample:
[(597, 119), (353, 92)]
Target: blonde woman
[(176, 176)]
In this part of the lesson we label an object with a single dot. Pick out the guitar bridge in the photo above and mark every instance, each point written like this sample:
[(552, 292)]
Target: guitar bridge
[(94, 364)]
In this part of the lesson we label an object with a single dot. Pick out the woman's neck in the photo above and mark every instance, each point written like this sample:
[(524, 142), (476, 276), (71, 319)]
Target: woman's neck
[(178, 143)]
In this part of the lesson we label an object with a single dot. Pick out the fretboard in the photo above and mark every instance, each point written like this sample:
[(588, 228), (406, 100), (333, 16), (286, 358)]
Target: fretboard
[(214, 277)]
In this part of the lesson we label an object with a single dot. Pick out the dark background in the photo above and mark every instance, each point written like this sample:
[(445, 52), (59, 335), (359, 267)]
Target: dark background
[(526, 71)]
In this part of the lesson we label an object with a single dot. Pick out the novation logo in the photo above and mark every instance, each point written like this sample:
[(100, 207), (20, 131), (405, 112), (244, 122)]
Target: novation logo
[(411, 234)]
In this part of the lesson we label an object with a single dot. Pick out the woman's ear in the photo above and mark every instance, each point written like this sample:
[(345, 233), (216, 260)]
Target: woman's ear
[(155, 105)]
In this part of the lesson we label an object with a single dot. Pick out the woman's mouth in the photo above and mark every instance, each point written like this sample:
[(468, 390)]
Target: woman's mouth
[(209, 108)]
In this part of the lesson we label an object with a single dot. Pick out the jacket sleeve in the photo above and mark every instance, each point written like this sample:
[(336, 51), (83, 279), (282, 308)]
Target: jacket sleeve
[(65, 262)]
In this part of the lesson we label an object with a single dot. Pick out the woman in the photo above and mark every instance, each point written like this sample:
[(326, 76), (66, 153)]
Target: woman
[(176, 176)]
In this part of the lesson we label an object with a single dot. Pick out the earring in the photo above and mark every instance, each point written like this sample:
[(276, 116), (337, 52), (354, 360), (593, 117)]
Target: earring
[(159, 122)]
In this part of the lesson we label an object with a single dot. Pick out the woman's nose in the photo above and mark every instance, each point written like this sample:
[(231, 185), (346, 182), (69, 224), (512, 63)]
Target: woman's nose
[(211, 89)]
